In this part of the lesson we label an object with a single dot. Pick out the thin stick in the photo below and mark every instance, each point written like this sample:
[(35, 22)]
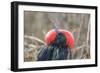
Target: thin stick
[(34, 38), (78, 48), (88, 32), (87, 39)]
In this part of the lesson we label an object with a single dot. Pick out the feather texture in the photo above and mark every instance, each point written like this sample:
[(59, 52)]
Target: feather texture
[(55, 51)]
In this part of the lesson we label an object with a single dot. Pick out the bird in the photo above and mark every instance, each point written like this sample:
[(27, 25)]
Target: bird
[(58, 45)]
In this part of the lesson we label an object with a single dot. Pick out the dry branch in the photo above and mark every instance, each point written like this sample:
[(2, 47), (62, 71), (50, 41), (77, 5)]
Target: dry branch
[(34, 38), (88, 32), (30, 45)]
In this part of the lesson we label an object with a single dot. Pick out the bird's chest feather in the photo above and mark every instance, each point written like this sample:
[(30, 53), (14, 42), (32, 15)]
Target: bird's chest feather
[(53, 53)]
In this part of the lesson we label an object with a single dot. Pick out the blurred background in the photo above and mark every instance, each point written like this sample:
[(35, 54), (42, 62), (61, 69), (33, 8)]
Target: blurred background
[(37, 24)]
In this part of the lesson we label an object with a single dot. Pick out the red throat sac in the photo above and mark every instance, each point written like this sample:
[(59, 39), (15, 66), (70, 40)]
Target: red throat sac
[(51, 35)]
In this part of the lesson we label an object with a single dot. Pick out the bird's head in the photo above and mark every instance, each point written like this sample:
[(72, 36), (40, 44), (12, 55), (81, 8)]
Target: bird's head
[(62, 37)]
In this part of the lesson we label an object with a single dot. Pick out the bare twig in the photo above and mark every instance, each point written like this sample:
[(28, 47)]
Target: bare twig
[(34, 38), (79, 51), (88, 32), (30, 45), (77, 48), (87, 39)]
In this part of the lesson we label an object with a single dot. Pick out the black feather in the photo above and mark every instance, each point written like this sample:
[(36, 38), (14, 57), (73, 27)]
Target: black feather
[(57, 50)]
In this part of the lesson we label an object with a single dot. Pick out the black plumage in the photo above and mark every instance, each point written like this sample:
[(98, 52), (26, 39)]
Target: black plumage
[(57, 50)]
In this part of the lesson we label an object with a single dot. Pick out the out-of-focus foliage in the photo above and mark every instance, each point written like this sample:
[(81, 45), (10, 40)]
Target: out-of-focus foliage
[(37, 24)]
